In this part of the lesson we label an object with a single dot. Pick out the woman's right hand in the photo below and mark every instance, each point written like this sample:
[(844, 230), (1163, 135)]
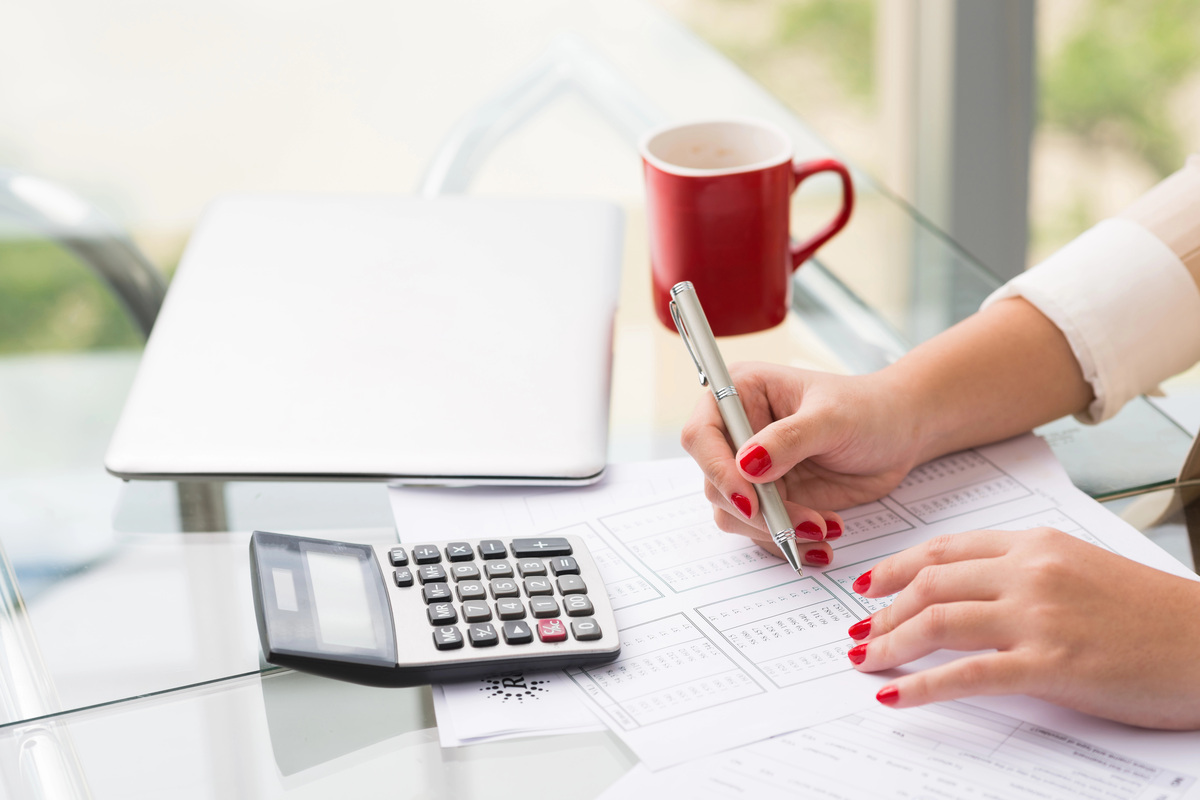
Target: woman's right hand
[(829, 441)]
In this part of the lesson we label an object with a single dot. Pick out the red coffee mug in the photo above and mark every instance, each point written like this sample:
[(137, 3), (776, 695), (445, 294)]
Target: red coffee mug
[(717, 204)]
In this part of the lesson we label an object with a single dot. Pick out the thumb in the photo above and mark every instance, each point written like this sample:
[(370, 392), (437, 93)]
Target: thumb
[(770, 453)]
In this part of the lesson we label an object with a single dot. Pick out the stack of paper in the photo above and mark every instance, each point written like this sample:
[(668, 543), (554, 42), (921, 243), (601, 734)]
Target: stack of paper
[(723, 646)]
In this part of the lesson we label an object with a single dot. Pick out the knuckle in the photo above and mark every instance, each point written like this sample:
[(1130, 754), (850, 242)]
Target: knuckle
[(975, 674), (934, 622), (691, 436), (925, 585), (938, 548), (712, 493)]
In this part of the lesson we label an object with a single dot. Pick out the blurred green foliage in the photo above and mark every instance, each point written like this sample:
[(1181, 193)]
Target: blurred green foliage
[(1114, 77), (50, 301), (841, 31)]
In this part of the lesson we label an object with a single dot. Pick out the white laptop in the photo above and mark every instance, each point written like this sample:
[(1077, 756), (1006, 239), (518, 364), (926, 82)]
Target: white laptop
[(452, 340)]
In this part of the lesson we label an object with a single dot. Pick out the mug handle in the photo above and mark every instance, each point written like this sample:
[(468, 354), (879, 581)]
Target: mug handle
[(803, 252)]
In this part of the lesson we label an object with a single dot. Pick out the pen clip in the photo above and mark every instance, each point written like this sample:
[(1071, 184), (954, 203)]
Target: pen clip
[(687, 342)]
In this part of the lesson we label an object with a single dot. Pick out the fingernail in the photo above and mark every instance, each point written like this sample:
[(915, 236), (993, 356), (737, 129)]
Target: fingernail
[(862, 582), (809, 530), (742, 503), (756, 461), (888, 695), (833, 529), (816, 558), (860, 629), (858, 653)]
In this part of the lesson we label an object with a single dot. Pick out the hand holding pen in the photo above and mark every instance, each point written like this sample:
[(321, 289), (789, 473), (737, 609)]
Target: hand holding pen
[(796, 532)]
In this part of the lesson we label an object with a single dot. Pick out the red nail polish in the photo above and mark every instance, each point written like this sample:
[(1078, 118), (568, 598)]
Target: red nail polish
[(742, 503), (817, 558), (756, 461), (860, 629), (858, 653), (888, 695), (809, 530), (862, 582), (833, 529)]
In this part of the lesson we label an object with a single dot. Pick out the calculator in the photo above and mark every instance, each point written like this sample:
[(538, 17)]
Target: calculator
[(412, 614)]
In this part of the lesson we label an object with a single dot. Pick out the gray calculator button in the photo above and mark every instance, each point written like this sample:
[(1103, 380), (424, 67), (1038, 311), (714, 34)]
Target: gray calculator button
[(403, 576), (531, 566), (431, 573), (510, 609), (542, 546), (398, 557), (426, 554), (504, 587), (577, 605), (571, 584), (459, 551), (464, 572), (585, 629), (447, 638), (542, 607), (442, 612), (517, 633), (492, 548), (564, 565), (536, 586), (435, 592), (476, 611), (471, 590), (482, 635), (498, 569)]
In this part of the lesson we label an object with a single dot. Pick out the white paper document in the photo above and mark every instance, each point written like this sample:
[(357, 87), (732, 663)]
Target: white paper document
[(510, 706), (722, 643), (946, 750)]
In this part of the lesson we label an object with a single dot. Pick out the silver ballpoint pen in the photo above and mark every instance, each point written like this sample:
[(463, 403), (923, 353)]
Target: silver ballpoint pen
[(698, 337)]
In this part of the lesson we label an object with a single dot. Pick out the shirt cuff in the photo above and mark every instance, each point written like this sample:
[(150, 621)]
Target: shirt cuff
[(1127, 305)]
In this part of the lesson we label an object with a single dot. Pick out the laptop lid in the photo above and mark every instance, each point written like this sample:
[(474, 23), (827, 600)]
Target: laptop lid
[(425, 340)]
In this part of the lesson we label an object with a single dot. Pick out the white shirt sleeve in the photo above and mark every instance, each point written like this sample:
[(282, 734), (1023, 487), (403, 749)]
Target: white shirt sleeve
[(1127, 305)]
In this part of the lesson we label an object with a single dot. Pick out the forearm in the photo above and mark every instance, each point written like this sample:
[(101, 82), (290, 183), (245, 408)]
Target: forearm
[(998, 373)]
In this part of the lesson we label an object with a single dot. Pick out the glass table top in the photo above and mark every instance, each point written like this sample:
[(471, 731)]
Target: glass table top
[(128, 625)]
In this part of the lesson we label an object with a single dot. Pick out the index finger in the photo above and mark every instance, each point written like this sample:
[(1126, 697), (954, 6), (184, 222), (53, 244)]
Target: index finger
[(705, 440), (896, 572)]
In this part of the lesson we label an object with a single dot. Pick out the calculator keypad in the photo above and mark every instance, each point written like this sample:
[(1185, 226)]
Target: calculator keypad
[(522, 593)]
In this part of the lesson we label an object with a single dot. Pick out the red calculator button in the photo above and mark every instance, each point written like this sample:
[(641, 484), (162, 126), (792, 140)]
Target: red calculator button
[(552, 630)]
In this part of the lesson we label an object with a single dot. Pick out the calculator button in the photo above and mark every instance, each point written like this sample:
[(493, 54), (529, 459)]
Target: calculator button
[(544, 546), (578, 605), (464, 572), (542, 607), (531, 567), (552, 630), (585, 629), (536, 586), (505, 588), (476, 611), (403, 577), (431, 573), (426, 554), (498, 569), (447, 638), (459, 551), (483, 635), (398, 557), (571, 584), (510, 609), (564, 565), (442, 612), (517, 633), (471, 590), (492, 548), (435, 592)]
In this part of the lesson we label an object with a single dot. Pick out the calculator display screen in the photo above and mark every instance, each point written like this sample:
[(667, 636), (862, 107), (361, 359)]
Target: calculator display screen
[(341, 598)]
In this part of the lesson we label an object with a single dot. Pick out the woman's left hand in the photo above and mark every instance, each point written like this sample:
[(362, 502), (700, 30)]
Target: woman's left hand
[(1069, 623)]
